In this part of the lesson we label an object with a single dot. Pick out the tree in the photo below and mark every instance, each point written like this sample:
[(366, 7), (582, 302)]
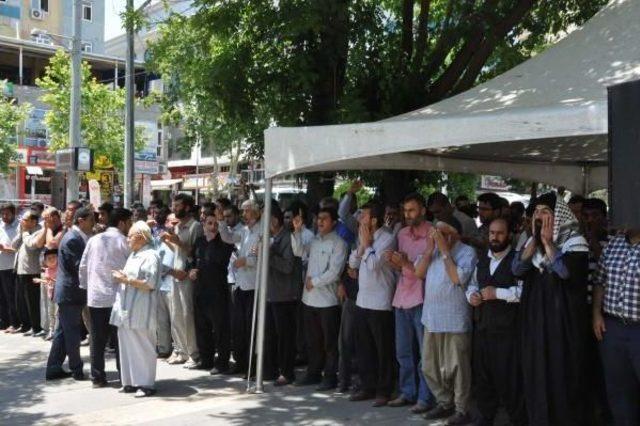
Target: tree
[(102, 122), (304, 62), (12, 116)]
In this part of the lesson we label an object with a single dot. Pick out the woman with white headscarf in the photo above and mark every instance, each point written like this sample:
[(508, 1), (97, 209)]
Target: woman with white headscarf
[(554, 266), (134, 313)]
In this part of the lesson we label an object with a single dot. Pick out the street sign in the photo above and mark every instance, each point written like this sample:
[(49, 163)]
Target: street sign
[(78, 159)]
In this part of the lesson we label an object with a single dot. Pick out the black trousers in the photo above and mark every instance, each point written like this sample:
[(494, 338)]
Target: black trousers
[(66, 339), (101, 332), (376, 354), (280, 344), (348, 343), (31, 296), (497, 374), (322, 327), (301, 340), (213, 326), (8, 291), (620, 350), (242, 316)]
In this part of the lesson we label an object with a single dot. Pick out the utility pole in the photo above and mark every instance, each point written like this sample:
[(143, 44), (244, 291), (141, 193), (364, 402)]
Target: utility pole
[(76, 76), (129, 121)]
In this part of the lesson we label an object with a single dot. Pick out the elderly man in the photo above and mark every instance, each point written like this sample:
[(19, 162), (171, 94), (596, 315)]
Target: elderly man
[(28, 268), (181, 242), (70, 299), (104, 253), (248, 237), (446, 355)]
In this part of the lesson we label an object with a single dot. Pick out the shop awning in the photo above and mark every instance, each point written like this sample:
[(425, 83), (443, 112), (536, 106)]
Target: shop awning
[(164, 184)]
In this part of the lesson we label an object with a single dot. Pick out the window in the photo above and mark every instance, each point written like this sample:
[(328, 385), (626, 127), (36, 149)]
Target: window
[(44, 5), (87, 47), (87, 12)]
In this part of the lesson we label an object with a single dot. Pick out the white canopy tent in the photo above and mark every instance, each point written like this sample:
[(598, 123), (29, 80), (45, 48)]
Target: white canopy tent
[(544, 120)]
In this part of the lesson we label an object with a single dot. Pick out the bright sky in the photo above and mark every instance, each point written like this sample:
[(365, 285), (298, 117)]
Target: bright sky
[(112, 24)]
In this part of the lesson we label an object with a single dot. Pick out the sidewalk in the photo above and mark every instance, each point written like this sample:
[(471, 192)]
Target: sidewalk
[(184, 398)]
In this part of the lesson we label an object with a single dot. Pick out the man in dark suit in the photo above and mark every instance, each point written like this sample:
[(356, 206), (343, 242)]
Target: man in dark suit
[(70, 299)]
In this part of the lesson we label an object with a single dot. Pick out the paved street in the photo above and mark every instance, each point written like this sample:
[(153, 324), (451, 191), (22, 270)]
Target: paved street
[(184, 397)]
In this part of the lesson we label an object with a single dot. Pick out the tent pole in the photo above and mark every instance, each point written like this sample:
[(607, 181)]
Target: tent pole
[(586, 177), (262, 290)]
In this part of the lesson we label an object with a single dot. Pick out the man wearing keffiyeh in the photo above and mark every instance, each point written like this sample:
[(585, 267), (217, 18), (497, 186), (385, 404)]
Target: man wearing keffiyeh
[(554, 266)]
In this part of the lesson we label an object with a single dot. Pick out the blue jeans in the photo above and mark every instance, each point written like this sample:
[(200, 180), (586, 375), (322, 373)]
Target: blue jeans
[(409, 336)]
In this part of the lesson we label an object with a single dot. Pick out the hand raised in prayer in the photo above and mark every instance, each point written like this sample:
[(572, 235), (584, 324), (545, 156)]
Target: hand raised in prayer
[(241, 262), (355, 186), (475, 299), (488, 293), (297, 223), (193, 274), (546, 233)]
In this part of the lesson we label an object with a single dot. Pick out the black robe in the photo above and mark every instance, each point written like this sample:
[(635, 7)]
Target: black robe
[(554, 314)]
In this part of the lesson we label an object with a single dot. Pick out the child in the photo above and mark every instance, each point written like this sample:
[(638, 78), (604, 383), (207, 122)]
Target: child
[(48, 278)]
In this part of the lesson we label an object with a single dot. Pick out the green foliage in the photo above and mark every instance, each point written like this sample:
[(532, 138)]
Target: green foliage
[(364, 195), (102, 123), (12, 116), (243, 66)]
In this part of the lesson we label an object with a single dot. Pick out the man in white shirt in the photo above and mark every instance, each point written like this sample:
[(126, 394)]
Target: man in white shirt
[(328, 253), (374, 314), (104, 253), (8, 231), (245, 268)]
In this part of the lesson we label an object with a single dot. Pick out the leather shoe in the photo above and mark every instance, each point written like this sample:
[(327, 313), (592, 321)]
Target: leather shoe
[(400, 401), (439, 412), (361, 396), (56, 375), (421, 407), (79, 377), (99, 384), (458, 419), (28, 333), (380, 401), (129, 389)]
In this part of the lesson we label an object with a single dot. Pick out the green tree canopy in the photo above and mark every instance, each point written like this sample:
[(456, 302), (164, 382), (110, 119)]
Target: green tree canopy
[(12, 117), (102, 120), (254, 64)]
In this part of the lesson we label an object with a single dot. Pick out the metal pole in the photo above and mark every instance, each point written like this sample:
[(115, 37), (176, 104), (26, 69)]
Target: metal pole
[(262, 290), (252, 341), (76, 74), (129, 121), (33, 188), (21, 66), (198, 172)]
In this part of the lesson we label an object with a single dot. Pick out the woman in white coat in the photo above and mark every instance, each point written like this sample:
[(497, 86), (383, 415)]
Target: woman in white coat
[(134, 313)]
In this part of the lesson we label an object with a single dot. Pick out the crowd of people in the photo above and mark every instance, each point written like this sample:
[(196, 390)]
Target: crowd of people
[(536, 311)]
